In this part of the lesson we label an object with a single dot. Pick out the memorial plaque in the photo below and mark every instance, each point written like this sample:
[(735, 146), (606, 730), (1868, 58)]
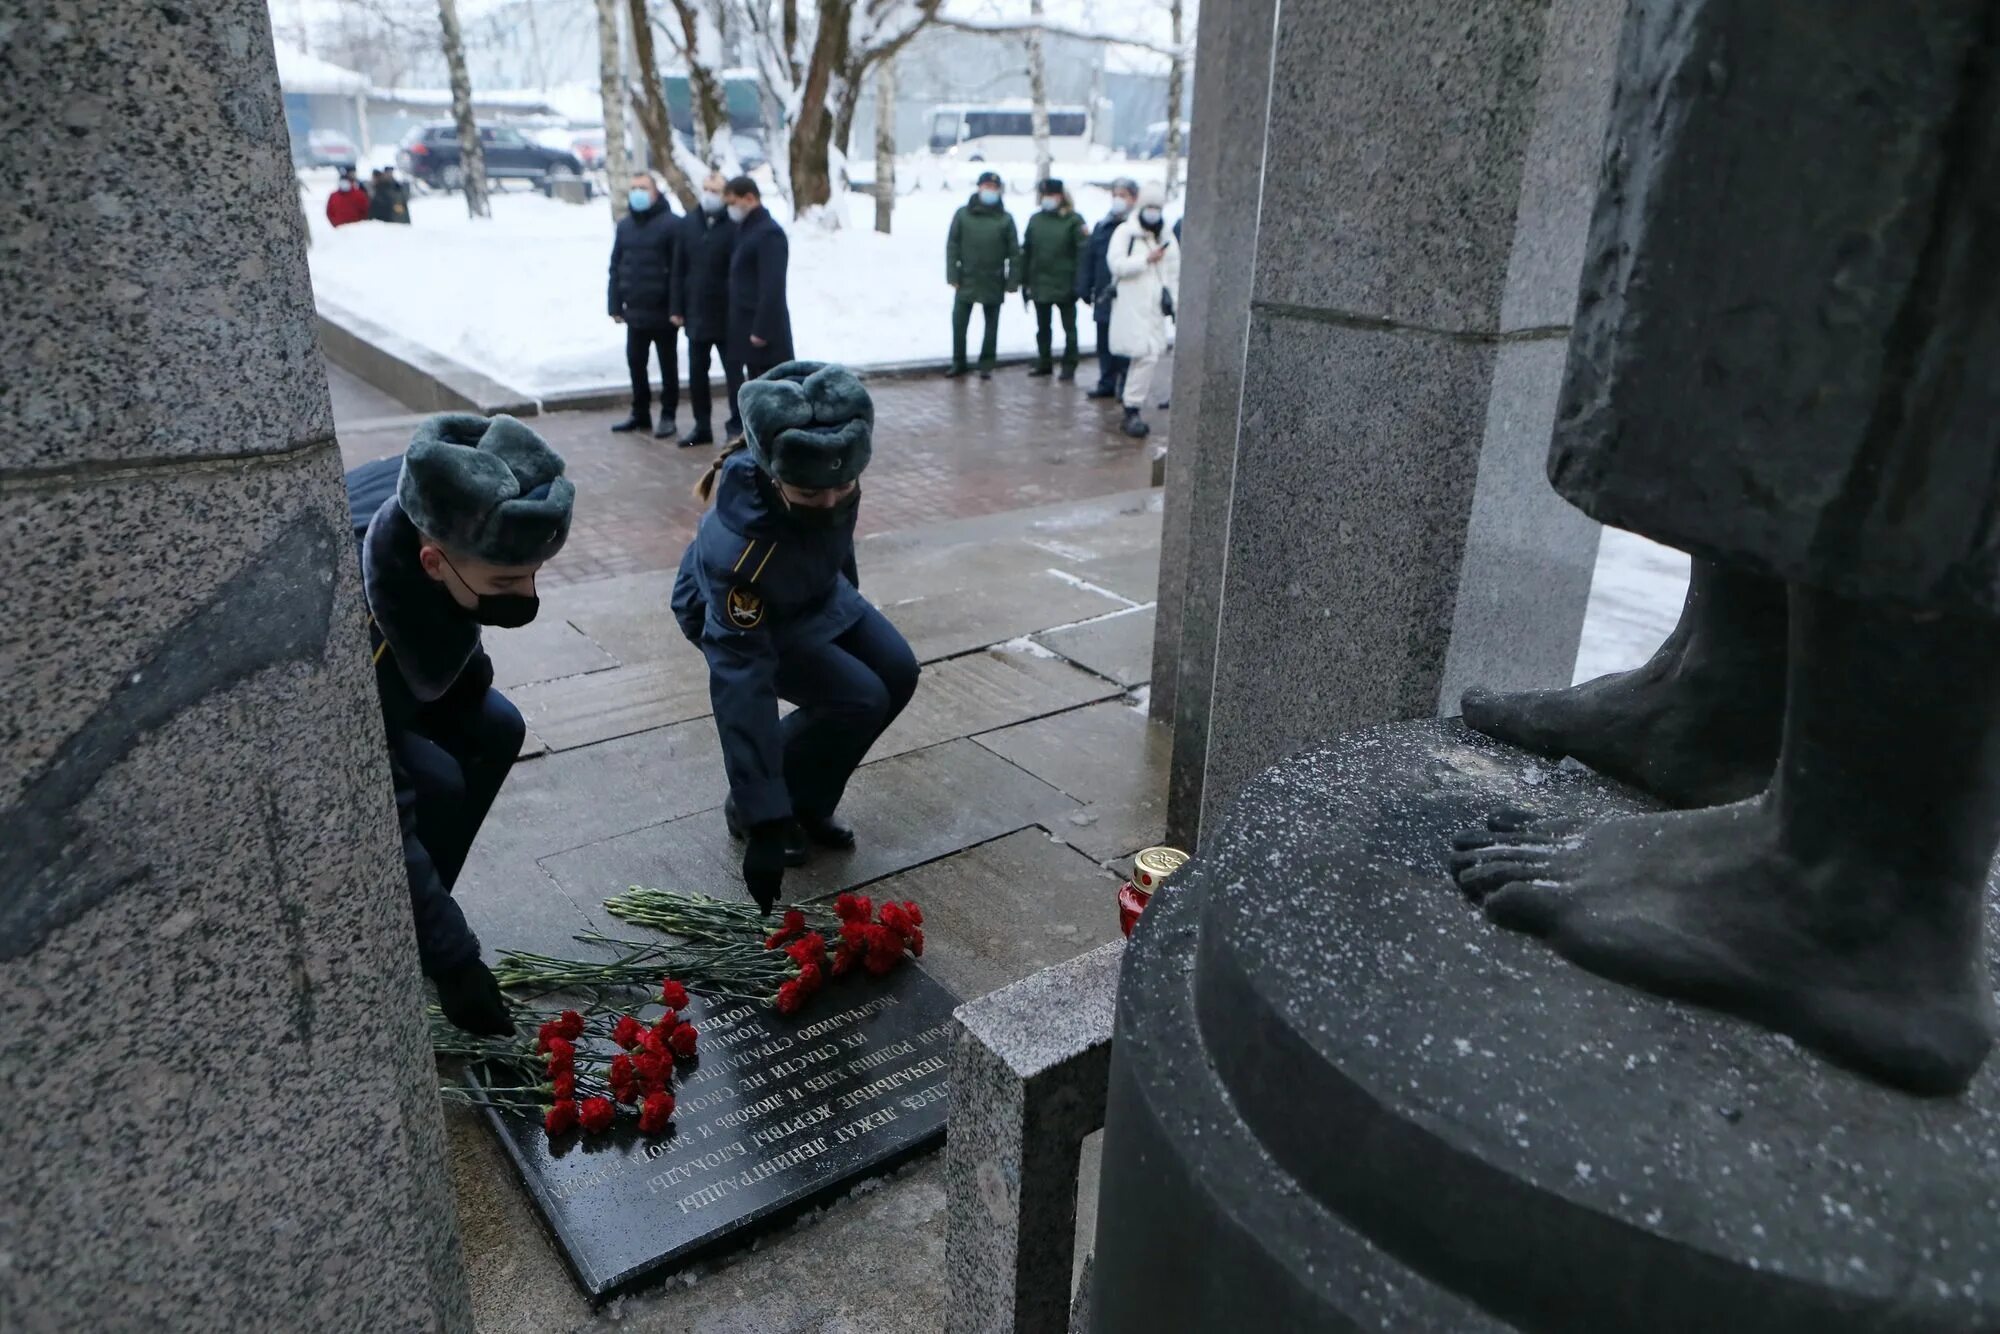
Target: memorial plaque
[(776, 1113)]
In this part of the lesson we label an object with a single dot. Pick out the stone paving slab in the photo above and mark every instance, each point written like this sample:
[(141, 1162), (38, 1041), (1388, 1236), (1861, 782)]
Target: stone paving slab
[(1132, 575), (583, 710), (629, 616), (547, 649), (1109, 757), (988, 689), (907, 810), (1118, 647), (1000, 911)]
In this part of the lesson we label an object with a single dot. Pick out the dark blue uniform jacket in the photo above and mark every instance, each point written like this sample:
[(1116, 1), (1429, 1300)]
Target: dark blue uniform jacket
[(429, 666), (752, 584), (757, 301), (1094, 282)]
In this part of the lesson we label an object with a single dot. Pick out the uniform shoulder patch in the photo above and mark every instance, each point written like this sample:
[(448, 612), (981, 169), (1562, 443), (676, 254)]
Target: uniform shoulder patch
[(745, 607)]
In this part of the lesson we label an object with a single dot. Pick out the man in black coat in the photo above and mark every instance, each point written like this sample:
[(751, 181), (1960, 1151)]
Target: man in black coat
[(1095, 285), (760, 323), (452, 534), (701, 305), (641, 297)]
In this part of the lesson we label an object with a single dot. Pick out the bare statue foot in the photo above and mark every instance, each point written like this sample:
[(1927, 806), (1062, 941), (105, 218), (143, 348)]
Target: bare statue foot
[(1709, 906), (1697, 725)]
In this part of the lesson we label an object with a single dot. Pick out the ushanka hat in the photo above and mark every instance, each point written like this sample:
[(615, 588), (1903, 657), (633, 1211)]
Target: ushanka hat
[(487, 488), (808, 423)]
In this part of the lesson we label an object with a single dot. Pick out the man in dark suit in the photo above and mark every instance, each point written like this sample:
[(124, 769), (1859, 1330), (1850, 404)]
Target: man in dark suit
[(642, 267), (760, 323), (701, 306)]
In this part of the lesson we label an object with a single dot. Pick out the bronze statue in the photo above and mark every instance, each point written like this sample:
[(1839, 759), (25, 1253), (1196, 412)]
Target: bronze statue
[(1786, 362)]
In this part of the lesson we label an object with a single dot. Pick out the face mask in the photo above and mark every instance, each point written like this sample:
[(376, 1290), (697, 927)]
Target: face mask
[(503, 611), (345, 186), (830, 516), (641, 200), (1051, 205), (711, 203), (1150, 216), (1119, 208), (738, 212), (989, 197)]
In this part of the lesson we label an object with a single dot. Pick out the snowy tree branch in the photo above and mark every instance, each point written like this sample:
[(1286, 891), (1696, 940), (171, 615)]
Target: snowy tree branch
[(1016, 28)]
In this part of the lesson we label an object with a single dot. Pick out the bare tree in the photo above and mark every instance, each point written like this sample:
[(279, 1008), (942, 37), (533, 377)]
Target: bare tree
[(1038, 95), (471, 157), (1176, 82), (885, 144), (697, 35), (611, 91), (649, 104)]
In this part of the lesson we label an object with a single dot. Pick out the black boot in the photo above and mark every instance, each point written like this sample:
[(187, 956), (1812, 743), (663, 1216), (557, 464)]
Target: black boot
[(635, 422), (1040, 372), (1134, 427), (827, 831), (1102, 390), (796, 851), (1066, 373), (953, 372), (700, 435), (665, 430)]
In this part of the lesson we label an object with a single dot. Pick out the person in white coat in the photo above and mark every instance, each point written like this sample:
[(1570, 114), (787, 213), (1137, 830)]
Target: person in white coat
[(1145, 261)]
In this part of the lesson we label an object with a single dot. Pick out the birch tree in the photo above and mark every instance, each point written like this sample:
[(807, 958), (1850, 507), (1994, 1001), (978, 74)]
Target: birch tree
[(1038, 95), (471, 157), (698, 35), (1176, 83), (885, 144), (611, 92)]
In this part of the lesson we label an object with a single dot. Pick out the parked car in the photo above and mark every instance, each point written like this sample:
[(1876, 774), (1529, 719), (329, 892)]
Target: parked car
[(588, 145), (430, 154), (330, 148)]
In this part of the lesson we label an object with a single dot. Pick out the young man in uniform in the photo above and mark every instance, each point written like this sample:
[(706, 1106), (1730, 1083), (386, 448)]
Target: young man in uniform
[(452, 534)]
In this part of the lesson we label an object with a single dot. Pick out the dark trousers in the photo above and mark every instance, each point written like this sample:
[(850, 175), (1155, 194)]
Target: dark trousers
[(699, 394), (639, 346), (961, 318), (1045, 334), (1110, 370), (761, 360), (457, 770), (848, 691)]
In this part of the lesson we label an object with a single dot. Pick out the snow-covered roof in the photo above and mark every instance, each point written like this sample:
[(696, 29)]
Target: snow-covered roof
[(307, 74)]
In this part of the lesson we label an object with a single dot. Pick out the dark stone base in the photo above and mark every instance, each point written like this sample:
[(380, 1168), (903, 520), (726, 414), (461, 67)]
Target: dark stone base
[(1340, 1099)]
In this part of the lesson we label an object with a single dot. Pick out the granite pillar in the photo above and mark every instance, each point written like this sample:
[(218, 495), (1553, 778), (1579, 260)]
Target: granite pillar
[(1358, 524), (221, 1101)]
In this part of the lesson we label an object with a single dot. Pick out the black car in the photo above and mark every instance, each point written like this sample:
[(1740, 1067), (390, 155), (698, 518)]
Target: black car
[(429, 154)]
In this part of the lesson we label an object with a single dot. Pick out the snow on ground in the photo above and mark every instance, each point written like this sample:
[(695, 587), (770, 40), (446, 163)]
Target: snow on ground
[(1635, 598), (520, 297)]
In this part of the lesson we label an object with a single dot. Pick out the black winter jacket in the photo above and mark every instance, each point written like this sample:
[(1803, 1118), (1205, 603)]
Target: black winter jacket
[(701, 275), (642, 267), (1094, 282), (757, 302)]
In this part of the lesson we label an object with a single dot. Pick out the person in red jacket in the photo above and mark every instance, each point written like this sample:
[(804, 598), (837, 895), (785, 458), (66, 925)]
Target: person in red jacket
[(349, 201)]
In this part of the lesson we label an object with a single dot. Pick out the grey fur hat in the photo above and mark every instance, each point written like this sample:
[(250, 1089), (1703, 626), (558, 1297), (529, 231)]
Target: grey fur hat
[(488, 488), (808, 423)]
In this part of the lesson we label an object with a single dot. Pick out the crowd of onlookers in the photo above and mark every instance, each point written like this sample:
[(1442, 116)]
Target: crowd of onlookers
[(1126, 269)]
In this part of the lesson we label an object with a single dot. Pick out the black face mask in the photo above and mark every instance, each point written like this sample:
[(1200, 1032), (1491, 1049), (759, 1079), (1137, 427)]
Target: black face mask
[(831, 516), (502, 611)]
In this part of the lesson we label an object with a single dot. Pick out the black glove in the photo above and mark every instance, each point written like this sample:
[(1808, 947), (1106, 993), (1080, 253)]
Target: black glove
[(471, 998), (764, 862)]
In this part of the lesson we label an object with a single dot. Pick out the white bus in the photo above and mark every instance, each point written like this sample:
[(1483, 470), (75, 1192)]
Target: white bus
[(1005, 132)]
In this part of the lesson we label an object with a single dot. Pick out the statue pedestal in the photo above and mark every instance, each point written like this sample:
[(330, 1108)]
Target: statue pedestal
[(1341, 1098)]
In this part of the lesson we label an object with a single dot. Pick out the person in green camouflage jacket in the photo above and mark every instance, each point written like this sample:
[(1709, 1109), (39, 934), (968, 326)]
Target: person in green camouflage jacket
[(1051, 252), (982, 257)]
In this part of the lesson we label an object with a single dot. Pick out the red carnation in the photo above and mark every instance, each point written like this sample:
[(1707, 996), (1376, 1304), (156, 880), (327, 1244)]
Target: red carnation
[(562, 1055), (546, 1034), (843, 959), (895, 918), (854, 934), (561, 1118), (626, 1091), (673, 995), (627, 1032), (683, 1040), (854, 907), (656, 1042), (811, 978), (916, 913), (775, 939), (653, 1071), (596, 1115), (790, 997), (885, 950), (795, 921), (564, 1086), (569, 1024), (917, 941), (622, 1070), (655, 1113)]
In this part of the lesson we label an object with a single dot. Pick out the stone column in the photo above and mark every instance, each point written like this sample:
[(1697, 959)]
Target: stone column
[(1384, 245), (220, 1100)]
